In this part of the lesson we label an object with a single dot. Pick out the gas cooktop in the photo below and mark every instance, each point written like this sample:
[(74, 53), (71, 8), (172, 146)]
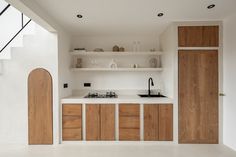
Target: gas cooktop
[(109, 94)]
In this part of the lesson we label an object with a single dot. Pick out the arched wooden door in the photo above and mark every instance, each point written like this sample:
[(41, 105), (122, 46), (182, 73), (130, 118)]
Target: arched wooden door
[(40, 115)]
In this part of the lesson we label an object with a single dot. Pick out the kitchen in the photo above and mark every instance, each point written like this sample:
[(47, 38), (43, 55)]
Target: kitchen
[(152, 111), (118, 86)]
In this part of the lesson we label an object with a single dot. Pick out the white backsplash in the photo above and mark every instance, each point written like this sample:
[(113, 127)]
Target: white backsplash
[(118, 80)]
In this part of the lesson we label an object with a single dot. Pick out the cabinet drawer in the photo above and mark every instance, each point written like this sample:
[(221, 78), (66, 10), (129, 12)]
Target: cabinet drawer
[(129, 122), (129, 109), (72, 109), (72, 134), (129, 134), (72, 121)]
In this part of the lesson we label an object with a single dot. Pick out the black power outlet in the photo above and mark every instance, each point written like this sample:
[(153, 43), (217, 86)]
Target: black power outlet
[(87, 84), (65, 85)]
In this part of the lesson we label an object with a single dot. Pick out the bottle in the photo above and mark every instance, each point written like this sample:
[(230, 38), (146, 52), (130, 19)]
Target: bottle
[(134, 46), (79, 63), (138, 46), (113, 64)]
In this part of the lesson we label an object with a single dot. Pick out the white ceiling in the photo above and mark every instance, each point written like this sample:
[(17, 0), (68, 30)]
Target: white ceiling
[(105, 17)]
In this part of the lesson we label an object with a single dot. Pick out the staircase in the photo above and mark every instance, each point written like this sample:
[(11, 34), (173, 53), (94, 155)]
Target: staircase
[(14, 27)]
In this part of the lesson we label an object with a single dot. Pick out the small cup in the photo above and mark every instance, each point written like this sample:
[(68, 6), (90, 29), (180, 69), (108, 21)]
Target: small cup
[(122, 49), (135, 66)]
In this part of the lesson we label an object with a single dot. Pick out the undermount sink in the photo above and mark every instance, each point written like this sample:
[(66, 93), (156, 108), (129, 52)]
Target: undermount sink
[(152, 96)]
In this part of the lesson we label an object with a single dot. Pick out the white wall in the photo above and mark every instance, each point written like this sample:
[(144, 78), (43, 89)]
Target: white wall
[(169, 44), (40, 51), (229, 101), (36, 13), (64, 62), (168, 41), (11, 19), (117, 80), (107, 42)]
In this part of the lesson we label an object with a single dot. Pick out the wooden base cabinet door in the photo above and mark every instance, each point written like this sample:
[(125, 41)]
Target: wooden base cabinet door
[(71, 122), (165, 122), (158, 122), (151, 122), (107, 122), (93, 122), (100, 122), (129, 122), (198, 96)]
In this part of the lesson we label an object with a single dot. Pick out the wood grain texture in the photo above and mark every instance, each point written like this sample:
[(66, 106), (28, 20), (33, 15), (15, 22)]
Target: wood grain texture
[(129, 134), (72, 109), (165, 122), (72, 122), (190, 36), (198, 36), (210, 36), (93, 121), (198, 96), (40, 114), (129, 109), (129, 122), (74, 134), (107, 122), (100, 122), (151, 122)]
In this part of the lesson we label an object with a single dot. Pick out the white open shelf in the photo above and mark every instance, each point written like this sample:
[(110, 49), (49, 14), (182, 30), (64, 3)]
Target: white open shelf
[(117, 69), (107, 53)]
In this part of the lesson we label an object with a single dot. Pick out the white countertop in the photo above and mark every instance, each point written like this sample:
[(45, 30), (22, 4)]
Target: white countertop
[(120, 99)]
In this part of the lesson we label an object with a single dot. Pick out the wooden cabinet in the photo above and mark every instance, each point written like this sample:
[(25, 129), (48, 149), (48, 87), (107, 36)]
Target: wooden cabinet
[(151, 122), (198, 36), (198, 96), (71, 122), (92, 122), (107, 122), (129, 122), (158, 122), (210, 36), (100, 122), (165, 122)]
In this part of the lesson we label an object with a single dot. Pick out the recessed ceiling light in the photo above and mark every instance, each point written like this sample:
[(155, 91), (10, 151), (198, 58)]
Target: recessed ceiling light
[(79, 16), (160, 14), (211, 6)]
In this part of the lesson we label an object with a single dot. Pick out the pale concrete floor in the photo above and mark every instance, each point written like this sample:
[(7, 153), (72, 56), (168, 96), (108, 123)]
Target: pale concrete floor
[(68, 150)]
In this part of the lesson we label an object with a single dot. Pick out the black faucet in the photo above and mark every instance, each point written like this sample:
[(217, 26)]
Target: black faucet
[(149, 91)]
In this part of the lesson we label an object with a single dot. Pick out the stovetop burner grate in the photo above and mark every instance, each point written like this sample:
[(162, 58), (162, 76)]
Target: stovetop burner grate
[(110, 94)]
